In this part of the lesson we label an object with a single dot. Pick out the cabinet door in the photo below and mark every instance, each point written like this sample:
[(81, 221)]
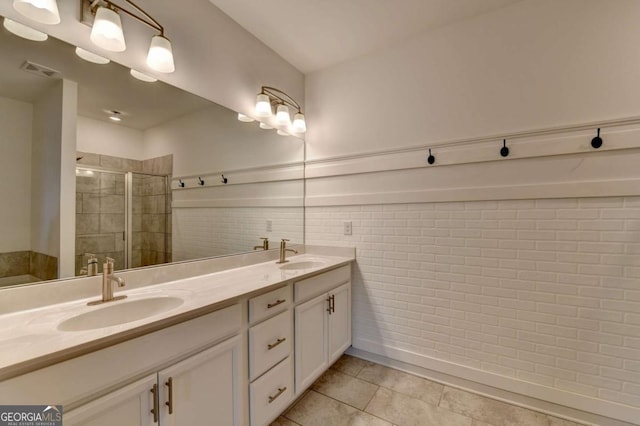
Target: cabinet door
[(311, 326), (203, 389), (129, 406), (339, 321)]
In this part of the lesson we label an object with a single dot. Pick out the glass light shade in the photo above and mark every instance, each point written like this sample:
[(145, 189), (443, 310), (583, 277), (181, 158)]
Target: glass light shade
[(263, 106), (282, 115), (24, 31), (299, 125), (265, 126), (107, 30), (43, 11), (282, 133), (142, 76), (91, 57), (244, 118), (160, 57)]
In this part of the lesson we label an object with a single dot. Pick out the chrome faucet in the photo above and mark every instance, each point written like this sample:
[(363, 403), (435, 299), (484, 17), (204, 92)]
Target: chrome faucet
[(108, 277), (284, 250), (265, 244)]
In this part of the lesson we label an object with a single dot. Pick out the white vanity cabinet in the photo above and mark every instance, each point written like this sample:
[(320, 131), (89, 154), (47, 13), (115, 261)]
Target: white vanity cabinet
[(129, 406), (270, 353), (322, 324), (202, 389)]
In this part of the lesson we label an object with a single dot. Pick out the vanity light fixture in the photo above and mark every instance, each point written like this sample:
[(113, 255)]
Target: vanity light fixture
[(91, 57), (142, 76), (108, 34), (43, 11), (245, 118), (23, 31), (269, 97)]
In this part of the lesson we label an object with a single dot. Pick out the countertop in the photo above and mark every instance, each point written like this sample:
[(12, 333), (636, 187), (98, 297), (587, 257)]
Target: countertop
[(31, 339)]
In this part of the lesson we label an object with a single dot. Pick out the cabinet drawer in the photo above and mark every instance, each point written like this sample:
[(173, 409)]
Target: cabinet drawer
[(265, 305), (271, 394), (322, 283), (269, 343)]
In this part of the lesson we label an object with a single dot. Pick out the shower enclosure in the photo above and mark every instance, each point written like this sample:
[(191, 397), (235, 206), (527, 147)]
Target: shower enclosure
[(122, 215)]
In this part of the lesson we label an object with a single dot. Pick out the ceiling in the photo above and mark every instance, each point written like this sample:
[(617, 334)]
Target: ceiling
[(312, 35), (100, 87)]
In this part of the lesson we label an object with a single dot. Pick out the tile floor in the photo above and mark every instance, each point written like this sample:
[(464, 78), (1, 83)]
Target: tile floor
[(354, 392)]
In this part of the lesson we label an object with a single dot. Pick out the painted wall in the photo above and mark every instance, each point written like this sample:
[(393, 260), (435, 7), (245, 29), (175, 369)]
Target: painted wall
[(99, 137), (518, 272), (53, 174), (531, 65), (215, 57), (15, 175)]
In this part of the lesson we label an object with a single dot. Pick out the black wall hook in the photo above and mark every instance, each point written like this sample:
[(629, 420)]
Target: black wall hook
[(200, 181), (180, 183), (597, 141), (224, 179), (504, 151), (431, 159)]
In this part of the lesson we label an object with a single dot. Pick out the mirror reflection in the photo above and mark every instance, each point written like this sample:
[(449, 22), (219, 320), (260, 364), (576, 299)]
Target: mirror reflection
[(95, 163)]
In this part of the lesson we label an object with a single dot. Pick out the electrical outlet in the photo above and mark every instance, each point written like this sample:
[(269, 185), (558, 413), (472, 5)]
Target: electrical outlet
[(269, 225), (347, 228)]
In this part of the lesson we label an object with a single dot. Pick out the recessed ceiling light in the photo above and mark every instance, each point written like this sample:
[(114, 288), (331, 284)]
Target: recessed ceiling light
[(115, 118), (142, 77), (23, 31), (114, 115), (91, 57)]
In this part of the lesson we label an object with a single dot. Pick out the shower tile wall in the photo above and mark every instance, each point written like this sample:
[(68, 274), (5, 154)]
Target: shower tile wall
[(100, 217), (151, 237)]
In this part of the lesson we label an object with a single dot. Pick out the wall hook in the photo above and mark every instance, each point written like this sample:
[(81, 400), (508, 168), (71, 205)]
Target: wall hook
[(180, 183), (224, 179), (504, 151), (200, 181), (431, 159), (597, 141)]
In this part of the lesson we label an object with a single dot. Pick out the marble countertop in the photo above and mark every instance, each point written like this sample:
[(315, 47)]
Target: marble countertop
[(30, 339)]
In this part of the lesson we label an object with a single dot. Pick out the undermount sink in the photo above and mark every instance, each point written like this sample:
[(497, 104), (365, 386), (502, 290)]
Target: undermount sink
[(115, 313), (308, 264)]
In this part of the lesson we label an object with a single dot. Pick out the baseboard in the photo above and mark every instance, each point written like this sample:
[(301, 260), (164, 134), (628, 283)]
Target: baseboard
[(566, 405)]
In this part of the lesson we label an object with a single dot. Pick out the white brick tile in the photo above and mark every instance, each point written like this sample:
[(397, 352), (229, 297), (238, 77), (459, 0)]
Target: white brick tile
[(599, 359), (624, 398), (556, 351), (455, 281)]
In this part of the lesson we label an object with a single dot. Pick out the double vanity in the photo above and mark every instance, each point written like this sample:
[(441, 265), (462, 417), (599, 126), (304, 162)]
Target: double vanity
[(230, 347)]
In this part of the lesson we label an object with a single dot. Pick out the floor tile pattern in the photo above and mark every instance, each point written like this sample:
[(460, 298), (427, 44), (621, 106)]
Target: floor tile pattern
[(354, 392)]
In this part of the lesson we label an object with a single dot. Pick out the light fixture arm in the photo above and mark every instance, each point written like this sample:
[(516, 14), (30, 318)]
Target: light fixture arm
[(147, 19), (278, 96)]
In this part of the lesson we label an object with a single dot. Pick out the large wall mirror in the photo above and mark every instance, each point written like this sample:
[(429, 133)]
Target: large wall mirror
[(96, 163)]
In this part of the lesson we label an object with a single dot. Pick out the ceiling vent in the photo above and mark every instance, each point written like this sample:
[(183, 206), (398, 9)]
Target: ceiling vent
[(40, 70)]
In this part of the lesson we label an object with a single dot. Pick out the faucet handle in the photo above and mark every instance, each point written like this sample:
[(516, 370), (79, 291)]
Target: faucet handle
[(285, 240), (264, 238), (110, 261)]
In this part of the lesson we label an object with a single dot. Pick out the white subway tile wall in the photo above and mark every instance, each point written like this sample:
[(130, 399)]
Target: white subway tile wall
[(205, 232), (543, 291)]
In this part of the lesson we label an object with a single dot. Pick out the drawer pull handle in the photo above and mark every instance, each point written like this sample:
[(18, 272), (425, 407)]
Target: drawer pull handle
[(154, 411), (278, 302), (280, 392), (273, 345), (169, 403)]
